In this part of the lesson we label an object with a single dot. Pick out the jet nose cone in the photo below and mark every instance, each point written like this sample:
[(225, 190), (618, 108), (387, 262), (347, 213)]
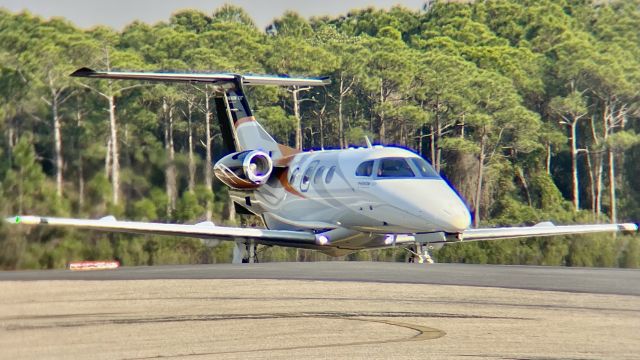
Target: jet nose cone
[(457, 218), (430, 205), (453, 215)]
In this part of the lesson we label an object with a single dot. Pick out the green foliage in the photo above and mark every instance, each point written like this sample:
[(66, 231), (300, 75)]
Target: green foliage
[(277, 122), (483, 89), (25, 181), (188, 207)]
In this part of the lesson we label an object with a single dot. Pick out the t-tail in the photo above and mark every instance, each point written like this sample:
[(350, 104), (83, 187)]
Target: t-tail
[(240, 130)]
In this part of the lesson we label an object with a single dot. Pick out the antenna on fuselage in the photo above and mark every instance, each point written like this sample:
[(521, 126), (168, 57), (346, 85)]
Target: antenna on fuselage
[(366, 139)]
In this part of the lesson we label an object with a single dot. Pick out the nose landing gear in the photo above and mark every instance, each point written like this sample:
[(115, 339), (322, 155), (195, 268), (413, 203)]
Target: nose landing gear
[(245, 252), (420, 254)]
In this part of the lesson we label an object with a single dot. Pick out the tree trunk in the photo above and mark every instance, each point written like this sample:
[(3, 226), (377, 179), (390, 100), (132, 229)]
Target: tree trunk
[(107, 160), (612, 187), (525, 186), (115, 162), (192, 161), (437, 146), (574, 167), (57, 138), (599, 164), (436, 132), (80, 183), (548, 160), (420, 140), (10, 136), (80, 163), (341, 139), (382, 130), (321, 130), (610, 124), (296, 114), (599, 176), (232, 211), (208, 166), (592, 184), (481, 157), (170, 169), (20, 187), (432, 144)]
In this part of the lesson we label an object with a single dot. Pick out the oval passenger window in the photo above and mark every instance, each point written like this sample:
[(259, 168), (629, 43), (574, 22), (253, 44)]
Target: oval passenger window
[(318, 176), (330, 173)]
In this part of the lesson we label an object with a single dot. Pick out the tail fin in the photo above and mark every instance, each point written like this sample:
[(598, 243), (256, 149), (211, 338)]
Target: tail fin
[(240, 130)]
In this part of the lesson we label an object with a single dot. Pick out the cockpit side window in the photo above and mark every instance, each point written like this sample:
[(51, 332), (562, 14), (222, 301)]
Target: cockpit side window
[(395, 168), (424, 168), (365, 169)]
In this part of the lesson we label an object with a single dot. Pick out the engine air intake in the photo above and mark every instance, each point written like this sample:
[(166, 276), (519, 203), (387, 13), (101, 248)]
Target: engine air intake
[(245, 170)]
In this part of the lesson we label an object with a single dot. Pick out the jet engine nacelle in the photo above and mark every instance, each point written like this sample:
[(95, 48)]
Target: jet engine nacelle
[(244, 170)]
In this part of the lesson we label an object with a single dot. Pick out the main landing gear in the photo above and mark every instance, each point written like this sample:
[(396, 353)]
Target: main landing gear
[(245, 252), (420, 254)]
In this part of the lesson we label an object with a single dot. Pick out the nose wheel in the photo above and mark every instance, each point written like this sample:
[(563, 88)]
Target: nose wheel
[(420, 254)]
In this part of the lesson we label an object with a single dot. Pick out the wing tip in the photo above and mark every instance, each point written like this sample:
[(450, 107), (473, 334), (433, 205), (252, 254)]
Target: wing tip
[(83, 72), (27, 220), (326, 80), (630, 227)]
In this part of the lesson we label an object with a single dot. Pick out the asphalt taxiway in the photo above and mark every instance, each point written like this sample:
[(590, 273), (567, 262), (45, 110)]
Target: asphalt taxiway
[(589, 280), (321, 310)]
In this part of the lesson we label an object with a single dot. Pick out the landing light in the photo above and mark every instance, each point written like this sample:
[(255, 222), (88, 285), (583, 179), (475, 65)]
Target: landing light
[(322, 240), (389, 239)]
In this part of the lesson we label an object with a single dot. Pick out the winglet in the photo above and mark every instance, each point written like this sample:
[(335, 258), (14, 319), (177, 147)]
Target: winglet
[(83, 72)]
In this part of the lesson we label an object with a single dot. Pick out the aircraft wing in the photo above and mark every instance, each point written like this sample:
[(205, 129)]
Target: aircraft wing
[(543, 229), (205, 230), (212, 78)]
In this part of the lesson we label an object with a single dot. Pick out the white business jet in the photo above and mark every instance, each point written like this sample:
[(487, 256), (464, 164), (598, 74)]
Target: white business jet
[(333, 201)]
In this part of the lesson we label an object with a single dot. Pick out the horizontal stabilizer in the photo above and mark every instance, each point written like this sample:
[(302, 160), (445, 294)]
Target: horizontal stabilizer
[(214, 78)]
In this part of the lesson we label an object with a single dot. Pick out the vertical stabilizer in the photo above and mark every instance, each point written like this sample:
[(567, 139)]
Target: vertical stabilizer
[(240, 130)]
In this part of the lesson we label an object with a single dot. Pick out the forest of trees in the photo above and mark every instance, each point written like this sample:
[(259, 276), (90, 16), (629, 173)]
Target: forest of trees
[(529, 108)]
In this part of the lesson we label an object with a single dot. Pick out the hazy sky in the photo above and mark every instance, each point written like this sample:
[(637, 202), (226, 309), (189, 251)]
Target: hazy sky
[(117, 13)]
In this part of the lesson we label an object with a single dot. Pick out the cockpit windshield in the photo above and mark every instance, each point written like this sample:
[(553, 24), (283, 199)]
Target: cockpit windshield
[(400, 167), (424, 168), (395, 168)]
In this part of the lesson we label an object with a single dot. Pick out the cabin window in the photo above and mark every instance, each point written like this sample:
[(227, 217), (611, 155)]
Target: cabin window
[(294, 175), (318, 176), (365, 169), (306, 177), (395, 168), (330, 173), (424, 168)]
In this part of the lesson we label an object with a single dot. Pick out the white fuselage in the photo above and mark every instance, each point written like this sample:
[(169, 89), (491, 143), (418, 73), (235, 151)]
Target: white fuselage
[(359, 196)]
